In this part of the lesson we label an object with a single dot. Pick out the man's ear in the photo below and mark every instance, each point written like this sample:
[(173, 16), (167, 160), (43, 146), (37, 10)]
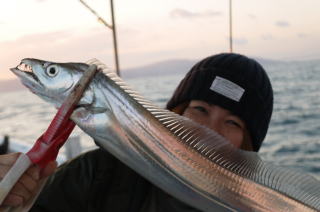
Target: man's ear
[(180, 108)]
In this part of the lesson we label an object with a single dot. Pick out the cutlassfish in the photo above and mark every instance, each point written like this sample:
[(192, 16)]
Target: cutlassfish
[(187, 160)]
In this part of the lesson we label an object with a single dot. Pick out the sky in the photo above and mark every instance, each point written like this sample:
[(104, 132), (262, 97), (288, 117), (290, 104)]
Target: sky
[(151, 31)]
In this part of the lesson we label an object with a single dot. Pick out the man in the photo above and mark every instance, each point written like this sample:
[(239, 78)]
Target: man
[(228, 93)]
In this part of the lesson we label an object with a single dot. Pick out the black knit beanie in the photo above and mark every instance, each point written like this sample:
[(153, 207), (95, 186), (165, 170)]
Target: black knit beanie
[(234, 82)]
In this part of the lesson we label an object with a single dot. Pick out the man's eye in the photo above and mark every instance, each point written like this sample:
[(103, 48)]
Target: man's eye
[(201, 109), (233, 122)]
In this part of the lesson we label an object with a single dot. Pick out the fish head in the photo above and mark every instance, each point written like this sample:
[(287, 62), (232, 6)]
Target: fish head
[(51, 81)]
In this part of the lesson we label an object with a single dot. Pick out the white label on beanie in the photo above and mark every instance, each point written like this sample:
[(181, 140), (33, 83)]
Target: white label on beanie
[(227, 88)]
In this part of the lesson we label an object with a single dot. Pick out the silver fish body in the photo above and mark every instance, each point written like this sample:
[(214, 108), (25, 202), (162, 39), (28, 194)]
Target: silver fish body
[(185, 159)]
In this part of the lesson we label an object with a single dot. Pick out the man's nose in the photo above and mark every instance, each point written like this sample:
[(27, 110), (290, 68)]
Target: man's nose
[(216, 126)]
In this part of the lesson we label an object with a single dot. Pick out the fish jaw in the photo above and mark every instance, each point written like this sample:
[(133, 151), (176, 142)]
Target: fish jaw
[(27, 76), (28, 71), (34, 74)]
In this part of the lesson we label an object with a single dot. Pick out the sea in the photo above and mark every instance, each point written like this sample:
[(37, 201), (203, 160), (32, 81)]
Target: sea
[(292, 140)]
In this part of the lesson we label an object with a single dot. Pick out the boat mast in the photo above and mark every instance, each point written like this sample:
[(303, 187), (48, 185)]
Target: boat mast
[(114, 33), (230, 26), (111, 27)]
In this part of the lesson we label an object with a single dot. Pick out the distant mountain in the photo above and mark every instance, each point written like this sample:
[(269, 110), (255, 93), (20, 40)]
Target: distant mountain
[(268, 62), (161, 68), (181, 67)]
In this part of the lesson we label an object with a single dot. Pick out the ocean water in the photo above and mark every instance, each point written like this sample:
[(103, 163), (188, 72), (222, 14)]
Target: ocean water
[(292, 140)]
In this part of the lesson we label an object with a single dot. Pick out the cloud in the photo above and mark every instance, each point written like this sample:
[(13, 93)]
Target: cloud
[(64, 46), (252, 16), (267, 37), (93, 42), (239, 41), (302, 35), (74, 45), (182, 13), (282, 24)]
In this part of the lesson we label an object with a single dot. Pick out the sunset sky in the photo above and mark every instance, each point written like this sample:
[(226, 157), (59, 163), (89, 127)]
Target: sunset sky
[(155, 30)]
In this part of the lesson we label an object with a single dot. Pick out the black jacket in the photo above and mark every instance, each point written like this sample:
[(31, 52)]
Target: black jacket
[(97, 181)]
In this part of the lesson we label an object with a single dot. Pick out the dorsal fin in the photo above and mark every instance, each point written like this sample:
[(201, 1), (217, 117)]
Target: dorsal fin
[(299, 186)]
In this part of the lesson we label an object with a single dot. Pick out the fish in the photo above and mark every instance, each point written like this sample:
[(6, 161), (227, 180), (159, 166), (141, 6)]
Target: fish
[(185, 159)]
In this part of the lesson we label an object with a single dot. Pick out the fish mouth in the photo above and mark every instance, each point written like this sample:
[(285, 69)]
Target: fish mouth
[(24, 68)]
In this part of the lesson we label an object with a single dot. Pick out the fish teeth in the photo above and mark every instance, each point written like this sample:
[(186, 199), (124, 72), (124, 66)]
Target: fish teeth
[(25, 67)]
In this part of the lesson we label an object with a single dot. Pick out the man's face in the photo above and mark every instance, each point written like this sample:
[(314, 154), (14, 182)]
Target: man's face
[(220, 120)]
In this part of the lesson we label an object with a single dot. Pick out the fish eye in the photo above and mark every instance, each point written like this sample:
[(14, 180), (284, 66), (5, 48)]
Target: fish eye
[(52, 70)]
